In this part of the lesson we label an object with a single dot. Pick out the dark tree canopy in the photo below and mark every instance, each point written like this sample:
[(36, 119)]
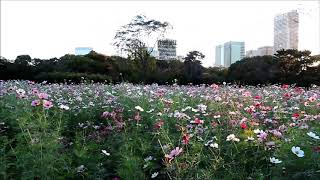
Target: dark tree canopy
[(289, 66)]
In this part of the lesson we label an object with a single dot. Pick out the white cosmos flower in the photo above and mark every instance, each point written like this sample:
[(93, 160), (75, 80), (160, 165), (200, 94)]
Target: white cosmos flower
[(214, 145), (194, 110), (64, 107), (274, 160), (20, 91), (80, 169), (313, 135), (297, 151), (149, 158), (105, 152), (250, 138), (217, 116), (202, 107), (154, 175), (232, 137), (257, 131), (139, 108), (209, 142)]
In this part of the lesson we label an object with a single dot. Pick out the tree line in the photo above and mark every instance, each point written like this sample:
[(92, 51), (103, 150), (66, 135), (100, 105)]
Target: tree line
[(286, 66)]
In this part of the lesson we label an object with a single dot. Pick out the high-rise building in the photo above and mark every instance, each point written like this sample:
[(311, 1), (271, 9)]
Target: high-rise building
[(286, 31), (82, 50), (229, 53), (167, 49), (261, 51), (233, 52), (219, 56)]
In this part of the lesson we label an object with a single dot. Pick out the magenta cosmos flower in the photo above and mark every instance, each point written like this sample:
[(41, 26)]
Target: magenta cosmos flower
[(35, 103)]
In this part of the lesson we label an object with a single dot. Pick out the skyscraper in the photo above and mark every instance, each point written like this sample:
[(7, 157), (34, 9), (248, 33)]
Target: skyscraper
[(286, 31), (229, 53), (219, 56), (233, 52), (167, 49)]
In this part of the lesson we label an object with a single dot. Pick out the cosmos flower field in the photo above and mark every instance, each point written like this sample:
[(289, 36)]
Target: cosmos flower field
[(126, 131)]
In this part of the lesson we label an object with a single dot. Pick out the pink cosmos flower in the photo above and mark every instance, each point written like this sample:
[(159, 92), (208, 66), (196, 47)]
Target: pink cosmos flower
[(262, 136), (43, 95), (287, 95), (277, 133), (214, 86), (137, 117), (312, 98), (257, 104), (35, 103), (47, 104), (285, 86), (105, 114), (35, 91), (174, 153), (159, 124), (197, 121), (257, 97), (185, 139), (298, 90), (246, 94)]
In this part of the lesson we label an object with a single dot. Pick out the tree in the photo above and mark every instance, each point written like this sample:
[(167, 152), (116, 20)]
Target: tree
[(193, 68), (294, 64), (23, 60), (254, 70), (134, 38)]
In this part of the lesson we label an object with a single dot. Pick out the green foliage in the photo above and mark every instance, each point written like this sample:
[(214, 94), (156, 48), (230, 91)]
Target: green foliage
[(289, 66)]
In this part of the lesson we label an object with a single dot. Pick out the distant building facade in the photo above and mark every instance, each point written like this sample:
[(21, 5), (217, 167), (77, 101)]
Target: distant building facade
[(251, 53), (286, 31), (261, 51), (167, 49), (229, 53), (219, 55), (82, 50)]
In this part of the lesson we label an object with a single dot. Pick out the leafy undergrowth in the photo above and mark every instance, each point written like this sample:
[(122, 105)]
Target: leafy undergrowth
[(125, 131)]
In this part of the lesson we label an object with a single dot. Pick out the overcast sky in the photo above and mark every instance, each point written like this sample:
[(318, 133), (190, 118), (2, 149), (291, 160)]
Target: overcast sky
[(54, 28)]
